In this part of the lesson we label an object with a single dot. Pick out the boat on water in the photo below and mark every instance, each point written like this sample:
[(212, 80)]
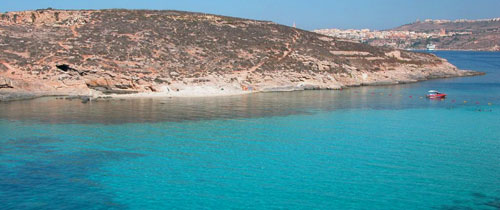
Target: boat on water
[(431, 47), (433, 94)]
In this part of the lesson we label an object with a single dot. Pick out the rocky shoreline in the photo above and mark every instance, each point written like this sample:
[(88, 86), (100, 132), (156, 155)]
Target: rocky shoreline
[(201, 91), (147, 53)]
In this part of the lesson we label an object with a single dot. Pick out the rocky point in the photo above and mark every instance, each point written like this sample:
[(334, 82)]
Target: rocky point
[(173, 53)]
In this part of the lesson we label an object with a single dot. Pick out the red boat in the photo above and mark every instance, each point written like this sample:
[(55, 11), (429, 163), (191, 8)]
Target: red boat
[(433, 94)]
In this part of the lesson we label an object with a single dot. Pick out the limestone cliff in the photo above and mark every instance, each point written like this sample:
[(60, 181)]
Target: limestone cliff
[(61, 52)]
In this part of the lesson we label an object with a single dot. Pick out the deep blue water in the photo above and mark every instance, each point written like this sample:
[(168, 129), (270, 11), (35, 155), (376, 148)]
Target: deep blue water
[(361, 148)]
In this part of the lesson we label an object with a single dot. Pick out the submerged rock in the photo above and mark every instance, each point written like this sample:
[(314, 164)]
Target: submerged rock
[(86, 99)]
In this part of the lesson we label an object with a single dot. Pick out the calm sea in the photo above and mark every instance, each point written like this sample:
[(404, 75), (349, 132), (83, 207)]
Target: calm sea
[(360, 148)]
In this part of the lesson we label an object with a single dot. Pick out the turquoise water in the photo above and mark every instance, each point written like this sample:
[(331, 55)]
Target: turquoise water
[(361, 148)]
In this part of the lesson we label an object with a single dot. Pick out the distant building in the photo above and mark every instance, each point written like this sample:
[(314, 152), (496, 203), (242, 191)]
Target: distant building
[(442, 32)]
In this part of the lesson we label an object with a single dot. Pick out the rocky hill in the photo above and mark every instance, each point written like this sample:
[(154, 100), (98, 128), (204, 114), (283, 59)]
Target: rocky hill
[(485, 25), (458, 34), (61, 52)]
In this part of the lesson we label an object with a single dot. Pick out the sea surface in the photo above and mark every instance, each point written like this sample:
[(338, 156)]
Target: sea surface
[(361, 148)]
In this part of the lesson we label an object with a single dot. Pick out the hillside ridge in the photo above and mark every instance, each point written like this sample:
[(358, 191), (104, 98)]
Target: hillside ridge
[(176, 53), (470, 35)]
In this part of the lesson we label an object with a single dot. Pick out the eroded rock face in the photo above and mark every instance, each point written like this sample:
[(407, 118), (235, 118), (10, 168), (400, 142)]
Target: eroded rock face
[(134, 51)]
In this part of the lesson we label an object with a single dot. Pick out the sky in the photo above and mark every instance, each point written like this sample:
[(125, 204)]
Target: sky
[(308, 14)]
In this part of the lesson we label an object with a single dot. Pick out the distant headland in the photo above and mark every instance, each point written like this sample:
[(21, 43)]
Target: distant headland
[(463, 34)]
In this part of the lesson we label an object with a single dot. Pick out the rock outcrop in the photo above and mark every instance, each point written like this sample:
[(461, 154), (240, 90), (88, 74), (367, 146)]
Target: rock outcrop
[(63, 52)]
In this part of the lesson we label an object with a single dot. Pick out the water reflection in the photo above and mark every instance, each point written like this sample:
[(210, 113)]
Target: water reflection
[(51, 110)]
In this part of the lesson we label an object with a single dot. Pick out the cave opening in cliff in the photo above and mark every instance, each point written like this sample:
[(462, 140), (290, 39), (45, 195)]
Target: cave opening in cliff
[(63, 67)]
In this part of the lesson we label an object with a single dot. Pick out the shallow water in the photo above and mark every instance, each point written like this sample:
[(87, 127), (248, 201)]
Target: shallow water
[(360, 148)]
